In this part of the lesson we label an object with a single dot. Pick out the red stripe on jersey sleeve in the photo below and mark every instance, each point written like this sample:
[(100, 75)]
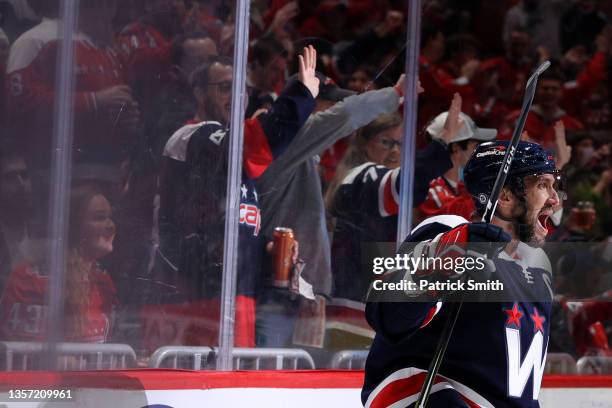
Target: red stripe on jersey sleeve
[(431, 314), (387, 199), (257, 151)]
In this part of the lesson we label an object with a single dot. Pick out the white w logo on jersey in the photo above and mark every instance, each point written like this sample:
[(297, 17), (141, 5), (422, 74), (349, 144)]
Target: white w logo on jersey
[(518, 373)]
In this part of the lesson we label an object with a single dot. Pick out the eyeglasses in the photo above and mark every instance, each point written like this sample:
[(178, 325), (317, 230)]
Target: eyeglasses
[(389, 144), (224, 86)]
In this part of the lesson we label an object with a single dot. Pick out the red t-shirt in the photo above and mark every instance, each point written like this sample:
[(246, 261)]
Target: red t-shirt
[(23, 307)]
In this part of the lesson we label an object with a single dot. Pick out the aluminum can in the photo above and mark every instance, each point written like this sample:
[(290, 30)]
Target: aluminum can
[(283, 249)]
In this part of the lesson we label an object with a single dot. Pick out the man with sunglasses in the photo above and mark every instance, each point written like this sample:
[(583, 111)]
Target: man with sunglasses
[(194, 186), (497, 351)]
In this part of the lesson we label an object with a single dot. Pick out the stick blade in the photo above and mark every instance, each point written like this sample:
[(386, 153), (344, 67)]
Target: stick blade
[(541, 68)]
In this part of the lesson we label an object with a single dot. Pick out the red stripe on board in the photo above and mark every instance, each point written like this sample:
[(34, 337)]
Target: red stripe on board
[(158, 379), (577, 381)]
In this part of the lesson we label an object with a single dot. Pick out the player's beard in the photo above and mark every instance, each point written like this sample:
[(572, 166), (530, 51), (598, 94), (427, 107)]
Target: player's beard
[(524, 228)]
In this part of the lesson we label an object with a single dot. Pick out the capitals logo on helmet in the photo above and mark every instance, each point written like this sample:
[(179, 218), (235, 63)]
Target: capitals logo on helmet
[(481, 170)]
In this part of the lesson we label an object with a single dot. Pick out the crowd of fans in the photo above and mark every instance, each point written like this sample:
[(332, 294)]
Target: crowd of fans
[(151, 113)]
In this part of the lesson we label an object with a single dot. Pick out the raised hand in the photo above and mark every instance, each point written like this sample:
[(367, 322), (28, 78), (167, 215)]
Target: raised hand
[(399, 85), (564, 152), (306, 74), (453, 124), (284, 15)]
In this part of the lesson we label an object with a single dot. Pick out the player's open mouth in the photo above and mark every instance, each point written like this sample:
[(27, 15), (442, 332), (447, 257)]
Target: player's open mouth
[(542, 223)]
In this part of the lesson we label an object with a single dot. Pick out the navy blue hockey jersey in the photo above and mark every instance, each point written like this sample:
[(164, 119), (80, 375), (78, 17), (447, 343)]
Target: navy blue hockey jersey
[(365, 208), (193, 196), (497, 351)]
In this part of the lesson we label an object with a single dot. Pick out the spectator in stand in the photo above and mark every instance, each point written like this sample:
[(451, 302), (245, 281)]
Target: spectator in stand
[(361, 79), (291, 194), (587, 97), (589, 176), (447, 194), (596, 111), (462, 57), (213, 17), (279, 24), (540, 18), (364, 195), (580, 24), (193, 191), (175, 103), (267, 73), (147, 45), (105, 114), (440, 84), (375, 45), (328, 21), (544, 113), (377, 149), (512, 69), (15, 210), (586, 303), (90, 292)]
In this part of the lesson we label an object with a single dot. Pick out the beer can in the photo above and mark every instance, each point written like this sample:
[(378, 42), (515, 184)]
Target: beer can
[(584, 215), (283, 251)]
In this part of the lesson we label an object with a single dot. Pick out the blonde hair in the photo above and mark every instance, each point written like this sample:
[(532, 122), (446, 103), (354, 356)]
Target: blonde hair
[(356, 153), (78, 270)]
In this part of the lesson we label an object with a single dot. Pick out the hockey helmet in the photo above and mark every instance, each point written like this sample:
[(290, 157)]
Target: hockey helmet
[(481, 170)]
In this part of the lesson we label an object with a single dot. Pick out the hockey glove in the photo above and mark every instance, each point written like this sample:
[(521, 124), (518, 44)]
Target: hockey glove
[(448, 255)]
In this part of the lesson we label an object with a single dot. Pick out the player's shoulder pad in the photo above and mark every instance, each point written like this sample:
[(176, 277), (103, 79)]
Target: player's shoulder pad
[(176, 146), (432, 226)]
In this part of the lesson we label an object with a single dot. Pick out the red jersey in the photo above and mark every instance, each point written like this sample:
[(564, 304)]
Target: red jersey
[(147, 53), (511, 79), (23, 306), (446, 197), (539, 128), (440, 86), (31, 80), (576, 92), (585, 320)]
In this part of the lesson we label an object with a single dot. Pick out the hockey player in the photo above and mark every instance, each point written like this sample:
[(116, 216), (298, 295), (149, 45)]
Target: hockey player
[(497, 352)]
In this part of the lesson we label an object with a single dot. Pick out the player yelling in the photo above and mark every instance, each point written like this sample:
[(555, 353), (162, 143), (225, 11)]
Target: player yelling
[(497, 352)]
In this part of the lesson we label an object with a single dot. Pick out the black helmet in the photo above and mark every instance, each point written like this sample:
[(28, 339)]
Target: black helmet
[(481, 170)]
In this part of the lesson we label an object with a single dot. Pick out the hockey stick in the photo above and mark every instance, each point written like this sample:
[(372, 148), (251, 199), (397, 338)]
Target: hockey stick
[(502, 174)]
